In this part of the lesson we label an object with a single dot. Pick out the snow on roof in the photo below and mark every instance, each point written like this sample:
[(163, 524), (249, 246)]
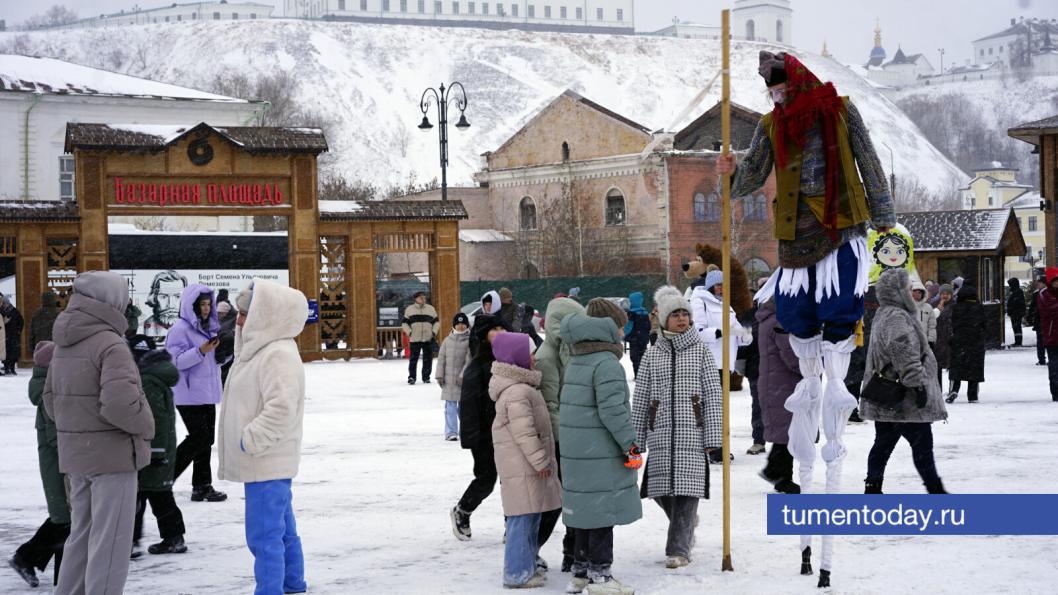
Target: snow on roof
[(29, 74), (1026, 200), (340, 206), (483, 236), (953, 231)]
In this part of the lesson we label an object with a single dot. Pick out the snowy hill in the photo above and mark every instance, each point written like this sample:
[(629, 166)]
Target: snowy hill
[(969, 120), (369, 78)]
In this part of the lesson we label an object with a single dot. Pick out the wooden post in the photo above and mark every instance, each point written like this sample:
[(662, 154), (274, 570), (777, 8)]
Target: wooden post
[(725, 267)]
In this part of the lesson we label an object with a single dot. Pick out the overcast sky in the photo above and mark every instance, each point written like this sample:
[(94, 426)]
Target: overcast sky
[(919, 26)]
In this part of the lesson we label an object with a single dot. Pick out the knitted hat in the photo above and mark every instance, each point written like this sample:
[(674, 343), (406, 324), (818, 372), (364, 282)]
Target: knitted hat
[(506, 294), (242, 301), (772, 68), (945, 288), (460, 318), (668, 300), (713, 278), (513, 349), (223, 308), (604, 308), (43, 353)]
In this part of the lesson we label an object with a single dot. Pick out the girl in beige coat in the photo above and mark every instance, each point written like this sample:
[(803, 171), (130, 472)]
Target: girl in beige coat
[(525, 457)]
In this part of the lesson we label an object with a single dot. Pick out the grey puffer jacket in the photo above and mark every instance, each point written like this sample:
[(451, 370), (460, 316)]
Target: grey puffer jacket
[(899, 350), (676, 411), (93, 391), (452, 359)]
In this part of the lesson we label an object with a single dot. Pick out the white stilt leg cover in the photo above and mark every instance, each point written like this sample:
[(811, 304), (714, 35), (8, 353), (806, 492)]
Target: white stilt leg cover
[(805, 402), (838, 402)]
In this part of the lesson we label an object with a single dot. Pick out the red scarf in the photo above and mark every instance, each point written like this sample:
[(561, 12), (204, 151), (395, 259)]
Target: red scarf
[(808, 102)]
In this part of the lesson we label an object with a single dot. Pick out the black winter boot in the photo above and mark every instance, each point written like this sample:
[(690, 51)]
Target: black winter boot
[(461, 523), (936, 488), (24, 570), (806, 561), (207, 494), (872, 487), (56, 564), (824, 579), (172, 545)]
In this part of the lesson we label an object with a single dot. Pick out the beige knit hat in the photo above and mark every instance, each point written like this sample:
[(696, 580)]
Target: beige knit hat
[(604, 308)]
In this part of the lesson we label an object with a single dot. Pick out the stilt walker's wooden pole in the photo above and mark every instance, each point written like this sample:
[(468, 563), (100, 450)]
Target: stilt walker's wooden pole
[(725, 267)]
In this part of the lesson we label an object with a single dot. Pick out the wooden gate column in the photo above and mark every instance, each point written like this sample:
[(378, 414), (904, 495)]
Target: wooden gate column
[(303, 236)]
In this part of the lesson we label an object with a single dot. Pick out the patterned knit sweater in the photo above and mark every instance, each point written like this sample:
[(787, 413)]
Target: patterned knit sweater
[(813, 242)]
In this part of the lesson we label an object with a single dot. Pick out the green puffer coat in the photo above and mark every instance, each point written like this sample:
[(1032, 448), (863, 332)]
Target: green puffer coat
[(159, 375), (595, 429), (48, 452), (553, 355)]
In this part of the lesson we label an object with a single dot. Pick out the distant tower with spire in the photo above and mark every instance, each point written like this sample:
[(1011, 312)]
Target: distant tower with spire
[(878, 52), (825, 53)]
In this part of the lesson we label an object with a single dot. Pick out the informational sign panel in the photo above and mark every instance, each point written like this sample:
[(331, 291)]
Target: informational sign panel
[(157, 292)]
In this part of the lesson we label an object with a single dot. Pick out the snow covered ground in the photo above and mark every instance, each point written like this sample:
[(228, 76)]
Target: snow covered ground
[(377, 481)]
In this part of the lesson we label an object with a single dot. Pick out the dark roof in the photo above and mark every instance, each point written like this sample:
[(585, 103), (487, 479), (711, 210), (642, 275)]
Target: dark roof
[(391, 210), (705, 129), (1031, 132), (616, 116), (12, 211), (902, 58), (253, 139), (964, 230)]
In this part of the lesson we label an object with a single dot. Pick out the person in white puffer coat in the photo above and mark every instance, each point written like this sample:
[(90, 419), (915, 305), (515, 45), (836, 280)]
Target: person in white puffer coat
[(260, 429), (707, 312)]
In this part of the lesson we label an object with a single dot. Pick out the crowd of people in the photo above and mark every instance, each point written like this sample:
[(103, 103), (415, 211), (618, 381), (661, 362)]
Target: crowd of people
[(551, 418), (107, 398), (560, 430)]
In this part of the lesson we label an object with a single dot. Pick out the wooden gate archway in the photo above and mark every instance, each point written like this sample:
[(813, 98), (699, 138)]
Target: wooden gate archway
[(352, 235)]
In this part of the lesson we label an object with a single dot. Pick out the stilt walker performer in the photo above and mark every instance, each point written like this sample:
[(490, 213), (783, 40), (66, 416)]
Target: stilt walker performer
[(816, 141)]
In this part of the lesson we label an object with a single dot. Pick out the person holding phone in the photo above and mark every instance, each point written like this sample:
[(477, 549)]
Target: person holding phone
[(191, 342)]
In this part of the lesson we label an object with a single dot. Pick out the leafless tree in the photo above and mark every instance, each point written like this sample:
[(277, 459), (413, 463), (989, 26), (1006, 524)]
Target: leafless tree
[(57, 15)]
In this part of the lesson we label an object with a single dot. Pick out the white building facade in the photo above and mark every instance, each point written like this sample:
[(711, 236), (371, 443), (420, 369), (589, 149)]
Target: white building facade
[(763, 20), (590, 16), (191, 12), (38, 96)]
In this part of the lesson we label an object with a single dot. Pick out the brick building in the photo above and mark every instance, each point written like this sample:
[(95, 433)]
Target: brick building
[(581, 190)]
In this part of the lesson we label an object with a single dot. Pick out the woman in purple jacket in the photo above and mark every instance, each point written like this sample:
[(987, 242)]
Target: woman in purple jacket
[(191, 342)]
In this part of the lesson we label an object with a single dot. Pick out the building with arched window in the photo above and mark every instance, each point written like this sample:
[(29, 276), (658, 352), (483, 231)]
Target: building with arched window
[(622, 204), (763, 20), (527, 214)]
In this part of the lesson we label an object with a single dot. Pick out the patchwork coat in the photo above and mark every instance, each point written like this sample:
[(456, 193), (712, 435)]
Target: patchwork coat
[(676, 411)]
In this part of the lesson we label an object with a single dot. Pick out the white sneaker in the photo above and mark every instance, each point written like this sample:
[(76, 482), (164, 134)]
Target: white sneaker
[(673, 562), (610, 586), (576, 585)]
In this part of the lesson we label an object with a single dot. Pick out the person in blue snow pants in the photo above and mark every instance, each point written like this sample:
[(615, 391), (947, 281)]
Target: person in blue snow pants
[(272, 536), (260, 429)]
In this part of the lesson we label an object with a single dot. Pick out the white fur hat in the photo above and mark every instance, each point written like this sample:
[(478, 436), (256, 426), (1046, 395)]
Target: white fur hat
[(668, 299)]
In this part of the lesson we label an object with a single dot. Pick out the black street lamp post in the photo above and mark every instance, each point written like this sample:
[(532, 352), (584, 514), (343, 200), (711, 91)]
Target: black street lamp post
[(442, 97)]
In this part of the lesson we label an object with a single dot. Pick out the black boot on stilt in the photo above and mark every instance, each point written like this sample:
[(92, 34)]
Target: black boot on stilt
[(806, 561), (937, 488), (824, 579), (872, 487)]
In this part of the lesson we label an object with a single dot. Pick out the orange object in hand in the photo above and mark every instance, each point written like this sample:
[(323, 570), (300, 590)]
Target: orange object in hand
[(635, 458)]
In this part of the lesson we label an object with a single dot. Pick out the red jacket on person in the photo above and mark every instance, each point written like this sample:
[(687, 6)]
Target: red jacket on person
[(1047, 306)]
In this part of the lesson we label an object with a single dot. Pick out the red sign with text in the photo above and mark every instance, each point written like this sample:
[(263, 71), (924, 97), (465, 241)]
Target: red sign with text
[(191, 193)]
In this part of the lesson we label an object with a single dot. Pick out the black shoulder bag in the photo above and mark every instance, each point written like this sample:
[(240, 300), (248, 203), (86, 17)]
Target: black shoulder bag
[(883, 392)]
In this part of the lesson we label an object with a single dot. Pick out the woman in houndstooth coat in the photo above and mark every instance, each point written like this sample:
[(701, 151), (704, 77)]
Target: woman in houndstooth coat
[(676, 411)]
